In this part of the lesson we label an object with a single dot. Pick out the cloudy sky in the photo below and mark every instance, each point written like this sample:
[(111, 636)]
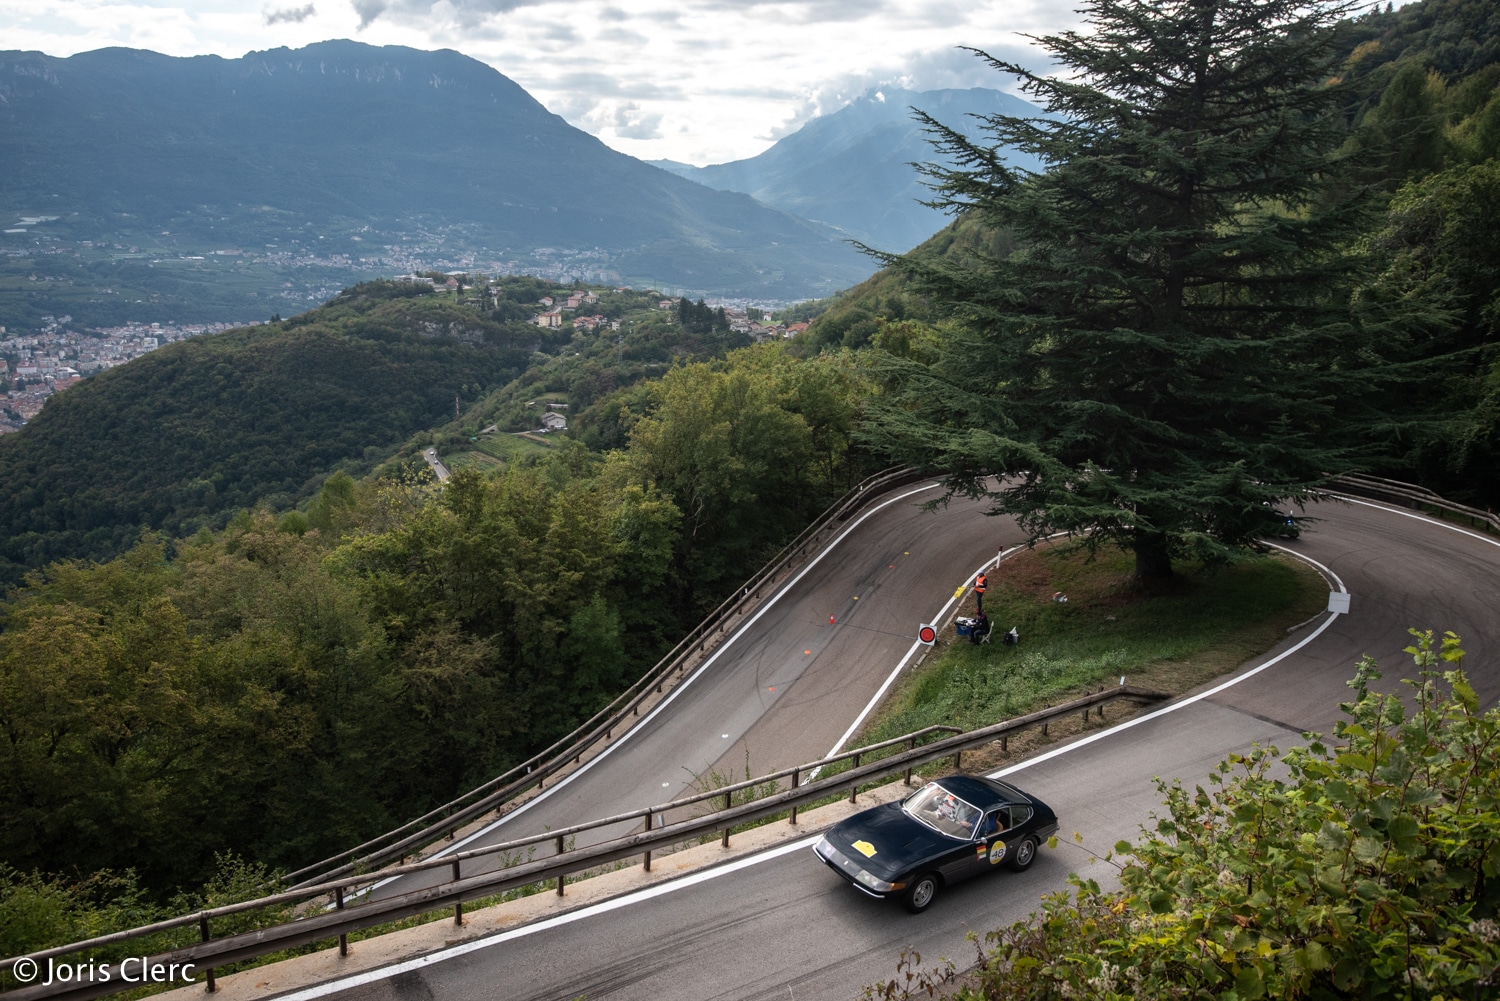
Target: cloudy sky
[(703, 81)]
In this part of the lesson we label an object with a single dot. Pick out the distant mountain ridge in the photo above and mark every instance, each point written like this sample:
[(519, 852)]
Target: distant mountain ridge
[(325, 143), (852, 169)]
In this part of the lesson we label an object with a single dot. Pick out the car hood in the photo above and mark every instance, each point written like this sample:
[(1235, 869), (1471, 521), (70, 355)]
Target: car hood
[(896, 839)]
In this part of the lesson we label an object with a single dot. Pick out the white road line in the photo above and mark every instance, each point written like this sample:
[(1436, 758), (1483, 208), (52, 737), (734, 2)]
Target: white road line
[(1428, 519), (640, 727), (891, 678), (603, 907), (382, 973)]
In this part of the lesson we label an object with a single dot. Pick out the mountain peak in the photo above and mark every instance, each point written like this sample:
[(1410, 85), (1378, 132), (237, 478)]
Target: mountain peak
[(852, 169), (340, 137)]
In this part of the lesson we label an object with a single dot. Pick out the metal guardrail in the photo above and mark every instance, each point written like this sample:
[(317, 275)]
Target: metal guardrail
[(532, 773), (1413, 496), (441, 821), (327, 924)]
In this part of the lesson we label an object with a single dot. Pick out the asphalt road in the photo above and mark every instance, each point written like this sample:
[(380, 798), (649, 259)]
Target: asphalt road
[(786, 686), (781, 926)]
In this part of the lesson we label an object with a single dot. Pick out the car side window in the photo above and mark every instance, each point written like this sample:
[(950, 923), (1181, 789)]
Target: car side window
[(994, 823), (1018, 815)]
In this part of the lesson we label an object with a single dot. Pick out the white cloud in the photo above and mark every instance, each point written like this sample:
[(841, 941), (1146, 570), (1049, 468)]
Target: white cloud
[(702, 81), (294, 15)]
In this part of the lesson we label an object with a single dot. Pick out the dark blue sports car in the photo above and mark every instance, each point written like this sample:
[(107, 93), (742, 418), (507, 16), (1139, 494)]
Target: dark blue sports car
[(948, 830)]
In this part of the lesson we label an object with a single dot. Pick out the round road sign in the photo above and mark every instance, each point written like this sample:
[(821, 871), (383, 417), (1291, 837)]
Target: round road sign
[(927, 634)]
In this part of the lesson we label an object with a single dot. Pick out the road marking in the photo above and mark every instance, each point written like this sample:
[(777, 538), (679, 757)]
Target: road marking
[(603, 907), (1418, 517), (431, 959), (640, 727), (372, 976), (901, 666)]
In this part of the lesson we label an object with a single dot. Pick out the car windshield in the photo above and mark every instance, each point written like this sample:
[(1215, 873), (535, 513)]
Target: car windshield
[(942, 811)]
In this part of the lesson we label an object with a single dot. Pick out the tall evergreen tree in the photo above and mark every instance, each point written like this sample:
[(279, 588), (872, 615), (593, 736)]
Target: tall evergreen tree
[(1173, 347)]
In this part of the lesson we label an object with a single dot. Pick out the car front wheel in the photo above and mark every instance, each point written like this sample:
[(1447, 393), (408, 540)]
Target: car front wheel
[(919, 892), (1025, 855)]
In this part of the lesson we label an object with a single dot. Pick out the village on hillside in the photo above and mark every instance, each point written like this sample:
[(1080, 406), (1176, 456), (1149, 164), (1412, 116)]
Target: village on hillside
[(36, 365)]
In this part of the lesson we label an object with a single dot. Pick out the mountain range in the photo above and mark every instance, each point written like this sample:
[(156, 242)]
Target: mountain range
[(345, 147), (853, 169)]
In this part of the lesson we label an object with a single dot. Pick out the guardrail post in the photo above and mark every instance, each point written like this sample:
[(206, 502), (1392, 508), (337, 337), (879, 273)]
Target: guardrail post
[(1044, 729), (1004, 742), (338, 903), (796, 780), (724, 841), (203, 929), (911, 745), (958, 757), (647, 863), (560, 877), (854, 790), (458, 908)]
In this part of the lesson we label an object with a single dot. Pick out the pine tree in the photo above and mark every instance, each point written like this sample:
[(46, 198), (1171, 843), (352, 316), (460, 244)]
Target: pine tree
[(1173, 347)]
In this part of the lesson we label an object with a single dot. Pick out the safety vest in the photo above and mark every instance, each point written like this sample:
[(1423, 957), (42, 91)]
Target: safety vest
[(979, 583)]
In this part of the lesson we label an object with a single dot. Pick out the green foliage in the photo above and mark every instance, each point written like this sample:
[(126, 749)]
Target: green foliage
[(38, 912), (1457, 38), (747, 449), (1407, 125), (1363, 867), (299, 682), (1441, 241), (1172, 344)]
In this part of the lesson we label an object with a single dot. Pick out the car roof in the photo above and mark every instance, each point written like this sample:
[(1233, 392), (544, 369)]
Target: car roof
[(982, 792)]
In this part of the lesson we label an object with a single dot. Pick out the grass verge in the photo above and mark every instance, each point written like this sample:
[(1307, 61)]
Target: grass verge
[(1200, 626)]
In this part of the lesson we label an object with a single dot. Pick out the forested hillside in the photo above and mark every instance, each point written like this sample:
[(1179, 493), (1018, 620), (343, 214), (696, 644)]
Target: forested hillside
[(293, 685), (186, 435)]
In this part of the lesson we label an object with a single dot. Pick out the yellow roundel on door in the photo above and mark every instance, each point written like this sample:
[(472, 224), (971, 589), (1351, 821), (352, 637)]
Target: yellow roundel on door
[(865, 848), (997, 853)]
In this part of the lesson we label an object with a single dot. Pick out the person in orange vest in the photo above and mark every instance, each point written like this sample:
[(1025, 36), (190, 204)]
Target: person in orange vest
[(980, 583)]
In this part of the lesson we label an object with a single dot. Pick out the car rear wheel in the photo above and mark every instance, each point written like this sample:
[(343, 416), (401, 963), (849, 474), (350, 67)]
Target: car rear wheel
[(1024, 855), (919, 892)]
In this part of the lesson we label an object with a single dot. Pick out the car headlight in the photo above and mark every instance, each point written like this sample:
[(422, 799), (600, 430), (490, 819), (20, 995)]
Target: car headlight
[(878, 885), (825, 850)]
